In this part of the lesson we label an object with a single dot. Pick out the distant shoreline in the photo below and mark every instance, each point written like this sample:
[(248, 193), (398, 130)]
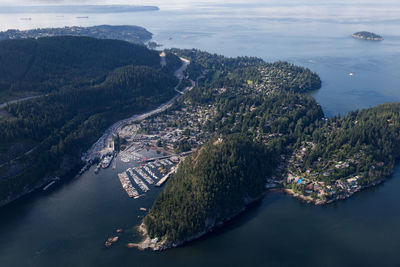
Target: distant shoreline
[(80, 9)]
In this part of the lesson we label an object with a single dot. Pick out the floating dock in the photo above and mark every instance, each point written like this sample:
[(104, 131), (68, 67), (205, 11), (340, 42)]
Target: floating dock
[(138, 181), (151, 172), (165, 178), (127, 185), (144, 176)]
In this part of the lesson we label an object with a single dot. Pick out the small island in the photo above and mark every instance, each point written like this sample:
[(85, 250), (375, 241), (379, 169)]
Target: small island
[(367, 36)]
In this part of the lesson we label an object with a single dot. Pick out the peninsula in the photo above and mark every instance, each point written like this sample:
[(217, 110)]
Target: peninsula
[(252, 127), (129, 33), (367, 36)]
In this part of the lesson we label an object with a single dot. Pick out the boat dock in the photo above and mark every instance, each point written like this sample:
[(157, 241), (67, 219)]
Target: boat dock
[(144, 176), (127, 185), (165, 178), (158, 158), (151, 172), (138, 181)]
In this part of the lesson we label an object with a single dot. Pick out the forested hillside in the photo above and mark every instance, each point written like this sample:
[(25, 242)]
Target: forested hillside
[(46, 65), (98, 83), (209, 187)]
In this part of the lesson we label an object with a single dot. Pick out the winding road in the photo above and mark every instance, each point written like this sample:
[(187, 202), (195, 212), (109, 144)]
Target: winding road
[(3, 105), (102, 146)]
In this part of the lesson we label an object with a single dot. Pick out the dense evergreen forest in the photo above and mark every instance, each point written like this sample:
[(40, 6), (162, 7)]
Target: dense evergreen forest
[(91, 88), (45, 65), (210, 186)]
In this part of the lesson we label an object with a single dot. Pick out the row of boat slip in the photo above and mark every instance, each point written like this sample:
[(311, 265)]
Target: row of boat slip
[(138, 181), (167, 162), (147, 173), (127, 185), (151, 165), (144, 176), (151, 172)]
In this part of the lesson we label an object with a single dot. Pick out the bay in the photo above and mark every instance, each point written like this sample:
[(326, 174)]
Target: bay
[(68, 225)]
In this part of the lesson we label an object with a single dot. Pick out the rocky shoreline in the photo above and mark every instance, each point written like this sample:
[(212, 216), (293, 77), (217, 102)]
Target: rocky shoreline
[(66, 173), (159, 245), (309, 199)]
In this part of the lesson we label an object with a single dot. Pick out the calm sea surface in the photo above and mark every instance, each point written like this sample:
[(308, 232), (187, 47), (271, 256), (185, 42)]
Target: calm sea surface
[(68, 225)]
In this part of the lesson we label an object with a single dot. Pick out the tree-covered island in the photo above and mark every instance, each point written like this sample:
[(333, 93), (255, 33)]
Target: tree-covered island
[(367, 36)]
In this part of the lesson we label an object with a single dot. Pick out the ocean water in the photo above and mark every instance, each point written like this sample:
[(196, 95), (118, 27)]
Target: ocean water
[(68, 225)]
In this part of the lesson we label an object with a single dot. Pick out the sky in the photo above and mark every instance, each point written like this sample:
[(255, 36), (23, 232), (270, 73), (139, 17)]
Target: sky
[(189, 2), (363, 9)]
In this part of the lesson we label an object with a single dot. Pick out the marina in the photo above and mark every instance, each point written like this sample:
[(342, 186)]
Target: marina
[(154, 173)]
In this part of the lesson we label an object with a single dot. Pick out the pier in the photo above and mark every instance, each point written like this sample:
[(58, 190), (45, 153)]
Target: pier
[(127, 185), (144, 176), (138, 181), (165, 178)]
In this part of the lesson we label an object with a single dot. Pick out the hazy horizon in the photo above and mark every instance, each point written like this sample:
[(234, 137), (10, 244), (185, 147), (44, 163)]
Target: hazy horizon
[(347, 11)]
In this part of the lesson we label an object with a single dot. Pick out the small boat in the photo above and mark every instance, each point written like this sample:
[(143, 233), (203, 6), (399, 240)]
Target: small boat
[(48, 185), (106, 161), (351, 74), (96, 171)]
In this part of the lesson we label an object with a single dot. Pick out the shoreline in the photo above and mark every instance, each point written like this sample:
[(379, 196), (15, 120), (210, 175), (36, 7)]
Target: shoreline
[(93, 152), (367, 38), (310, 200), (150, 244)]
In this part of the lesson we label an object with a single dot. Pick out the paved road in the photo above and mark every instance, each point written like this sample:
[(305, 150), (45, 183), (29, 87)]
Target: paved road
[(3, 105), (103, 143)]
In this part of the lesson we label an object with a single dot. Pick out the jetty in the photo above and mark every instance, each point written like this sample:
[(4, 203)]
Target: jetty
[(165, 178), (127, 185)]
